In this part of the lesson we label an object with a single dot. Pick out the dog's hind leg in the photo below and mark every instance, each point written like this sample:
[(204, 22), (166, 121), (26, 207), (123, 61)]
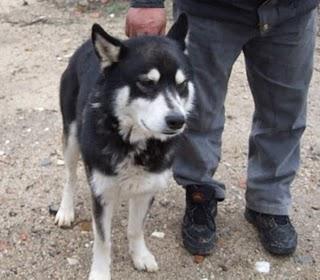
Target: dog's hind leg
[(65, 215), (141, 256)]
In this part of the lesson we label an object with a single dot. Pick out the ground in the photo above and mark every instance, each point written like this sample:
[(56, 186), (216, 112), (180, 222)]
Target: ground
[(35, 44)]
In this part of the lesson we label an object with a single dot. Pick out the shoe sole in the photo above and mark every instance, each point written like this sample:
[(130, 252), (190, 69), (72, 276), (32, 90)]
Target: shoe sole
[(273, 250)]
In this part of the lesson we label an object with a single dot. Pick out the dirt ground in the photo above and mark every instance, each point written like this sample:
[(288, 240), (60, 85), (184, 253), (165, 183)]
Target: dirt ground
[(36, 42)]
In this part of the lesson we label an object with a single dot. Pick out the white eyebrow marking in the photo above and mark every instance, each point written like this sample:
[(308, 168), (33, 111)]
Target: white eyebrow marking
[(153, 75), (180, 77), (95, 105)]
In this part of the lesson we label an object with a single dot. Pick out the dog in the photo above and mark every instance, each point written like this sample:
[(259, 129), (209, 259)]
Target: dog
[(124, 105)]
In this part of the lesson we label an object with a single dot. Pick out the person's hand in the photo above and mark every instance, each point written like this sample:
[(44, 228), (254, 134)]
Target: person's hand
[(145, 21)]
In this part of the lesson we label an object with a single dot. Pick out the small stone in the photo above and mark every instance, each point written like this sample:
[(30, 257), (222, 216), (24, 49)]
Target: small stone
[(12, 214), (95, 15), (112, 15), (158, 234), (72, 261), (164, 203), (53, 209), (45, 162), (60, 162), (4, 246), (83, 2), (67, 56), (77, 13), (28, 187), (223, 267), (262, 267), (23, 236), (124, 223), (304, 260), (243, 182), (2, 153), (46, 129)]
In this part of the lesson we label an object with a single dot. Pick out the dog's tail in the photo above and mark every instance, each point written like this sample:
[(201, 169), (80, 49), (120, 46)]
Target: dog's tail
[(69, 90)]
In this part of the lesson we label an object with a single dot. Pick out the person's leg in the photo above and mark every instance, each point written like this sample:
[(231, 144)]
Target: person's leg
[(213, 47), (279, 69)]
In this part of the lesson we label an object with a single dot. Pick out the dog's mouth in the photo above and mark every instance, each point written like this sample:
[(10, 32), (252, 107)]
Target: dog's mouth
[(172, 133), (165, 132)]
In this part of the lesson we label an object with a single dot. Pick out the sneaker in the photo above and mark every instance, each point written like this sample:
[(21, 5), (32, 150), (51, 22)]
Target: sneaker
[(198, 228), (276, 233)]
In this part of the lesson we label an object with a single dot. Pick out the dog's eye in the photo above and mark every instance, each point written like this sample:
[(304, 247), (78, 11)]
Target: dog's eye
[(183, 86), (145, 85)]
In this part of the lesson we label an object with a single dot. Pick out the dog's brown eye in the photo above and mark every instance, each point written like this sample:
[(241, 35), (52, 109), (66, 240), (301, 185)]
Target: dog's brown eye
[(183, 86), (145, 84)]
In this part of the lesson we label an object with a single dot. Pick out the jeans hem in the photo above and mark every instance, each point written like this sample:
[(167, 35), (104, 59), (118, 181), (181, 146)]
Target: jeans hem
[(269, 209), (218, 187)]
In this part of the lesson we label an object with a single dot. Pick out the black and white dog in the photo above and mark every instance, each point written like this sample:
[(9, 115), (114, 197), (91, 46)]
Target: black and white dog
[(123, 105)]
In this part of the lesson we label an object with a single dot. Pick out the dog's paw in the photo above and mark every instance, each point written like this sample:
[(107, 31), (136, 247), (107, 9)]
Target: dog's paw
[(145, 261), (64, 217), (98, 275)]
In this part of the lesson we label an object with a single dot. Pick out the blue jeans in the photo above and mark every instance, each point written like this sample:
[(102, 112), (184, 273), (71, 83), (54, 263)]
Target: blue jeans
[(279, 65)]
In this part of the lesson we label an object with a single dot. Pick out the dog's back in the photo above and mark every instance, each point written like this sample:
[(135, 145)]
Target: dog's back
[(76, 83)]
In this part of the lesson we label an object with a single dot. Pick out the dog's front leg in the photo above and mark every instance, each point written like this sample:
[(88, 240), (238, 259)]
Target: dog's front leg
[(65, 215), (141, 256), (102, 217)]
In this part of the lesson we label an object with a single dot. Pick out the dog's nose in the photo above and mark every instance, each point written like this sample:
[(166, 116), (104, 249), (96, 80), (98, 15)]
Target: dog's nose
[(175, 121)]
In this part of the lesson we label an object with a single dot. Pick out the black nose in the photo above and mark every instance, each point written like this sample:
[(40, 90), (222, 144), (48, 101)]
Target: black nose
[(175, 121)]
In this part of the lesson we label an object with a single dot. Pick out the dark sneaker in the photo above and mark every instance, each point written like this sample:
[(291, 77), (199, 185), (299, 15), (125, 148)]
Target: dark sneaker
[(198, 228), (276, 233)]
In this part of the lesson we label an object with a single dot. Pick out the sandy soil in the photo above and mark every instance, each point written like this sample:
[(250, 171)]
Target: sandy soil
[(35, 43)]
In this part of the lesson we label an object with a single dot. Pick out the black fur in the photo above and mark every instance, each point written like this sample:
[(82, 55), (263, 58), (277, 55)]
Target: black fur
[(97, 208), (150, 205), (84, 83)]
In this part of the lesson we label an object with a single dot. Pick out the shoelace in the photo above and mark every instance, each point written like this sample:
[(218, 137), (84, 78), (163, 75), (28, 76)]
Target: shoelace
[(200, 213), (281, 220), (278, 219)]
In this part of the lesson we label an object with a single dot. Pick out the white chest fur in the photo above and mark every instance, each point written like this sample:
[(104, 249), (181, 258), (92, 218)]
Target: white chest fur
[(130, 180)]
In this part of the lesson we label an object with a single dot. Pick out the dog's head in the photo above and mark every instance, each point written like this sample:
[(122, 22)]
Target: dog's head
[(152, 81)]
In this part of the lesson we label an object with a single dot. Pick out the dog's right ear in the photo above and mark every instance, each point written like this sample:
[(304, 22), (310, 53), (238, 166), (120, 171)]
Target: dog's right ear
[(106, 47), (179, 30)]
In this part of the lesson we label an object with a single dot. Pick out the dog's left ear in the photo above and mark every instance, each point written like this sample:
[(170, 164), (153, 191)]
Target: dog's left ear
[(179, 30), (106, 47)]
